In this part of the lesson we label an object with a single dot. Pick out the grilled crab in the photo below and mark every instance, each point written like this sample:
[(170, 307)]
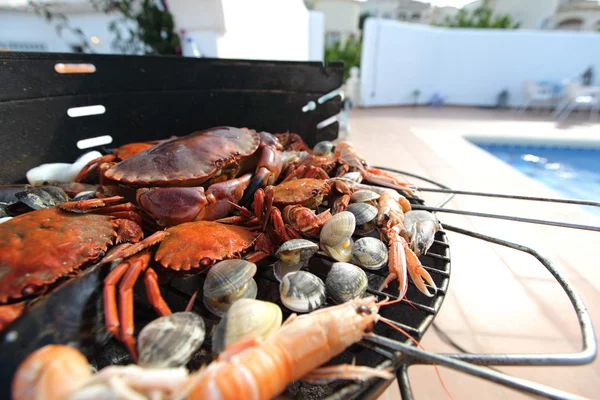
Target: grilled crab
[(41, 247), (186, 249), (200, 160)]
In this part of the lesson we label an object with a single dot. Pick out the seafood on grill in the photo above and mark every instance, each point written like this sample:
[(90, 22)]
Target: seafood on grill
[(227, 282), (39, 248), (402, 261), (346, 151), (345, 282), (200, 159), (186, 249), (293, 255), (421, 227), (60, 172), (19, 199), (246, 318), (251, 368), (170, 341), (302, 291), (369, 253), (365, 216), (336, 236)]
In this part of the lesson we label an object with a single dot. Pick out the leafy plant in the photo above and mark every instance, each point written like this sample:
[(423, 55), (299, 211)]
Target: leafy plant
[(61, 24), (349, 53), (140, 27), (481, 17), (363, 17)]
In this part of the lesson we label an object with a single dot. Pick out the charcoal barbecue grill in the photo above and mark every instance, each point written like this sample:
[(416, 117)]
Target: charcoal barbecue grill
[(146, 98)]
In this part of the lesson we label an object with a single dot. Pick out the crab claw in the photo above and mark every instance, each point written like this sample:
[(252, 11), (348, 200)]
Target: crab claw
[(269, 166)]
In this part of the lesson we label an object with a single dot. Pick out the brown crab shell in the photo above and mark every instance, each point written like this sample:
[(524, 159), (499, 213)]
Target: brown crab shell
[(305, 192), (40, 247), (199, 244), (186, 161)]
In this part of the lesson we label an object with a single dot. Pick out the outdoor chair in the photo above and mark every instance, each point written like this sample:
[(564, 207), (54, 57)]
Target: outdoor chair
[(576, 96)]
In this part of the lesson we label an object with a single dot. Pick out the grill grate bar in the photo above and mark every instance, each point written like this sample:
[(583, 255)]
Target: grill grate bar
[(473, 363), (486, 373), (509, 218), (511, 196)]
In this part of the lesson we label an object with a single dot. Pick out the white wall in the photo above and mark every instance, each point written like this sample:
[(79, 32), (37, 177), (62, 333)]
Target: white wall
[(340, 15), (265, 29), (469, 66), (316, 36), (19, 26), (258, 29)]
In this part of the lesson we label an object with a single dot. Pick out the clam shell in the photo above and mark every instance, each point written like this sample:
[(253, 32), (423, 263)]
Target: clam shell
[(42, 197), (340, 253), (296, 251), (280, 269), (363, 196), (345, 282), (227, 282), (220, 305), (323, 148), (363, 212), (370, 253), (170, 342), (338, 229), (246, 317), (227, 277), (353, 176), (90, 194), (302, 291)]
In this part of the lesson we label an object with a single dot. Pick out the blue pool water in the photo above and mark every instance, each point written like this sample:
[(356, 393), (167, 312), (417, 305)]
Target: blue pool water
[(575, 173)]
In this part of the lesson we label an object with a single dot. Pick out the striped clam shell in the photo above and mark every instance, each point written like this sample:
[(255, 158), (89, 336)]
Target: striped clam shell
[(302, 291), (170, 341)]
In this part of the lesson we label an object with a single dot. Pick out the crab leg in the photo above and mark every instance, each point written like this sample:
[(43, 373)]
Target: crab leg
[(119, 318), (111, 315), (307, 171), (153, 292)]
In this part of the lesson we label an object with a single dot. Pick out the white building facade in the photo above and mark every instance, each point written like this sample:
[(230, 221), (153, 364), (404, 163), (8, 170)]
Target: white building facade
[(341, 19), (260, 29)]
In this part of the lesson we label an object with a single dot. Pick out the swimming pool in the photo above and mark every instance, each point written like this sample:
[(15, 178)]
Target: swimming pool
[(575, 173)]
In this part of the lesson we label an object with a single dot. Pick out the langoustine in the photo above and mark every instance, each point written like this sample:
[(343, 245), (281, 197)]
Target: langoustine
[(247, 369)]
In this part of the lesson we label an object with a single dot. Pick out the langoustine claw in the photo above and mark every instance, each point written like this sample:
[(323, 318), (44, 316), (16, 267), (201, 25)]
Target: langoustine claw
[(421, 227), (403, 261)]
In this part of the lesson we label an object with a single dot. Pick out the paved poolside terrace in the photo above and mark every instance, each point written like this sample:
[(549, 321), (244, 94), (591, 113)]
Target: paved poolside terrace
[(499, 300)]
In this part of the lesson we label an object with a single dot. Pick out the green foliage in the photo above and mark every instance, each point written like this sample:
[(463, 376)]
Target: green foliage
[(481, 17), (349, 53), (61, 24), (363, 17), (140, 26)]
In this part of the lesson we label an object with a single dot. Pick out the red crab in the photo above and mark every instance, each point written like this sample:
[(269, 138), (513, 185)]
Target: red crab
[(41, 247), (189, 248), (292, 142), (201, 159)]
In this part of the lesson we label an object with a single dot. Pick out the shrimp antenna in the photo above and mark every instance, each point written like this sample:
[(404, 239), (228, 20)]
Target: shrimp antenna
[(393, 325)]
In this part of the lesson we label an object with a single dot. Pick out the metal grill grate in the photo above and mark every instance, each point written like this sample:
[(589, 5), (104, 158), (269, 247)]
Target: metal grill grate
[(472, 363)]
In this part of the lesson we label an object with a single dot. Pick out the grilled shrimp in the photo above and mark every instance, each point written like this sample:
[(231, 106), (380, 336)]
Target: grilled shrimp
[(249, 369), (346, 151)]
